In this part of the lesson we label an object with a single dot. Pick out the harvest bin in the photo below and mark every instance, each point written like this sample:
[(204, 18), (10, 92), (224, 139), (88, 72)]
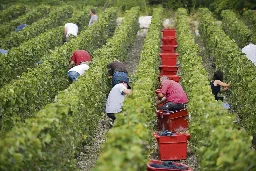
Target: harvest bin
[(168, 48), (175, 78), (169, 59), (170, 40), (168, 70), (172, 147), (149, 168), (169, 32), (174, 121)]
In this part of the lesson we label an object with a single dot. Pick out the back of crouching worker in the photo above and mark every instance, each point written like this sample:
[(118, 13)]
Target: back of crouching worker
[(172, 95), (76, 71), (117, 71), (116, 98)]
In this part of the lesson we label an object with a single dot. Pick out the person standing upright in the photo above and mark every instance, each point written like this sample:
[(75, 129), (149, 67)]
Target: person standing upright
[(94, 17)]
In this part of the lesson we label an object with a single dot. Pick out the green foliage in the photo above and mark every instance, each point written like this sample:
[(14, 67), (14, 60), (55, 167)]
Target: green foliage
[(27, 55), (126, 5), (126, 144), (12, 12), (218, 143), (249, 18), (236, 66), (30, 17), (235, 28), (237, 5), (60, 127), (56, 18), (174, 4), (25, 96)]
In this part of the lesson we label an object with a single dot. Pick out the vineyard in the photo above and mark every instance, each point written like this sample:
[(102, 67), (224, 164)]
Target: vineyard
[(46, 123)]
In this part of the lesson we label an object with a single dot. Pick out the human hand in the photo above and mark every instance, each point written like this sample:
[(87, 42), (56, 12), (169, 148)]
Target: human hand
[(158, 102), (229, 83)]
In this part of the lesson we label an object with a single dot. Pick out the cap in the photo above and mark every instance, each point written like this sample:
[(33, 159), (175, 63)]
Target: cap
[(126, 80)]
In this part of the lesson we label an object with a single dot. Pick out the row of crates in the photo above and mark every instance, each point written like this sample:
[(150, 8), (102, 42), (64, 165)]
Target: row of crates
[(172, 147)]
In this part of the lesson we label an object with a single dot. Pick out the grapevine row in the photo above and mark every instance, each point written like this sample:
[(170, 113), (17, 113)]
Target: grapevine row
[(236, 66), (60, 127), (20, 59), (133, 127), (30, 17), (235, 28), (12, 13), (249, 18), (25, 96), (217, 142), (56, 18)]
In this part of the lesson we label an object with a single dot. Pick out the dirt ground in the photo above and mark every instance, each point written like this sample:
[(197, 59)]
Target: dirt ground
[(191, 160), (90, 153)]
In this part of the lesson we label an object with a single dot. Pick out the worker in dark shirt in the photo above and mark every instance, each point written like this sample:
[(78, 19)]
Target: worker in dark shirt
[(117, 71), (217, 83)]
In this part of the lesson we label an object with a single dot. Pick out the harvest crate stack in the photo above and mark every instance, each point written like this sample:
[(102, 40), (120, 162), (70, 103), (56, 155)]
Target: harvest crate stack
[(173, 126)]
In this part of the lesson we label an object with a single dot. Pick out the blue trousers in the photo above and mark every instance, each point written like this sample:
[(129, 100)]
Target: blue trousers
[(73, 75)]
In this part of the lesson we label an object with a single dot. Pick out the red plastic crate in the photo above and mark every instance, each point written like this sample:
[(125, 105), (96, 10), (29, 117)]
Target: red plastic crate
[(172, 147), (160, 121), (170, 40), (175, 78), (168, 70), (169, 59), (174, 121), (149, 168), (168, 48), (169, 32)]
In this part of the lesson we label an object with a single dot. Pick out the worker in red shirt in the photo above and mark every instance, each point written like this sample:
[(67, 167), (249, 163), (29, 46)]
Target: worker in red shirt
[(172, 95), (78, 57)]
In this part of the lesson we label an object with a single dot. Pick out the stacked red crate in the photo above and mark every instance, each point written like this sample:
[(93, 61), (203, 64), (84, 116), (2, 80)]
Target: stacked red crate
[(173, 147)]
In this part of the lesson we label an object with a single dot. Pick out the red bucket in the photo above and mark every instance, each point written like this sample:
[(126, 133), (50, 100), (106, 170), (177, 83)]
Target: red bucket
[(169, 32), (150, 168), (170, 40), (176, 121), (172, 147), (168, 70), (168, 48), (169, 59), (175, 78)]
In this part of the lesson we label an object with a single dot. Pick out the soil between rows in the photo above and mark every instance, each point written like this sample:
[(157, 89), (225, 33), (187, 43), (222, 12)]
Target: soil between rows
[(90, 153)]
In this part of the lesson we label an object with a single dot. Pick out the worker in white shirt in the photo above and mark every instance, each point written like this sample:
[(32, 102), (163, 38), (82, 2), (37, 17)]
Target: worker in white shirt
[(78, 70), (70, 31)]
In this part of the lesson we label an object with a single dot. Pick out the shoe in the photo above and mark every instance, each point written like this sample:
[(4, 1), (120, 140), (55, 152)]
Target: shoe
[(111, 123)]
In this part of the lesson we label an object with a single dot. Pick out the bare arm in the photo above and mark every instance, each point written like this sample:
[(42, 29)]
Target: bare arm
[(65, 31), (127, 91), (161, 101), (160, 95), (222, 84), (71, 64)]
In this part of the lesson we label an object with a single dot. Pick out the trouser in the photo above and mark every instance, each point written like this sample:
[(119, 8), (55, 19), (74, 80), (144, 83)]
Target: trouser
[(112, 116), (118, 77), (70, 37), (72, 76), (170, 106)]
